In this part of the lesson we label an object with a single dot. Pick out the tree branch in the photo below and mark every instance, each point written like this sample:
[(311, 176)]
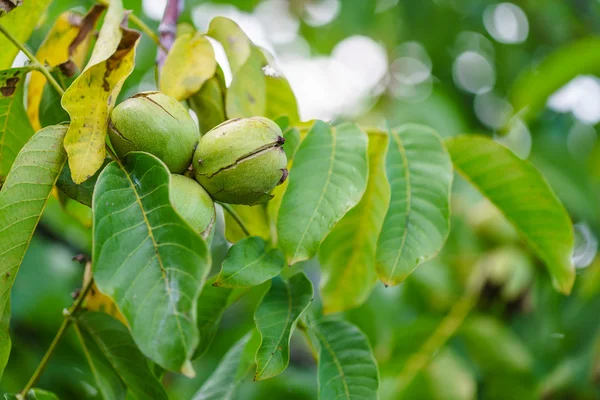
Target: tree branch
[(168, 29), (35, 62), (66, 321), (444, 331)]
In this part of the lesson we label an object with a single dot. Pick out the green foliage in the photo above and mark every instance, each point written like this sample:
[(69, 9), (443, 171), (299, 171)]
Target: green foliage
[(15, 128), (507, 180), (289, 299), (347, 368), (328, 178), (22, 200), (112, 341), (416, 224), (249, 262), (370, 197), (146, 258)]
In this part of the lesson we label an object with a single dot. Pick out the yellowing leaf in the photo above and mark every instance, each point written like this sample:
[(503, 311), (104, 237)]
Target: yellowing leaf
[(92, 96), (190, 63), (20, 22), (68, 39), (95, 300)]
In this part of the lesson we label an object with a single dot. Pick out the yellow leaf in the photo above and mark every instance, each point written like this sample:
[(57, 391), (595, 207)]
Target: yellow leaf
[(190, 62), (92, 96), (20, 22), (68, 39), (95, 300)]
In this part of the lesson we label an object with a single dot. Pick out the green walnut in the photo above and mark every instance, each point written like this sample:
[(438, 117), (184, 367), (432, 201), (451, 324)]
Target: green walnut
[(157, 124), (241, 160), (193, 204)]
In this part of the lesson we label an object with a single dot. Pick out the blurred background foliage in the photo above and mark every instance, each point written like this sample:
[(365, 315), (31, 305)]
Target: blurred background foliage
[(460, 66)]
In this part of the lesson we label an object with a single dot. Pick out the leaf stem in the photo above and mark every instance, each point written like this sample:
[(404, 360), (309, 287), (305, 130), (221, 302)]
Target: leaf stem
[(236, 217), (66, 322), (36, 63), (304, 329), (443, 332), (140, 24)]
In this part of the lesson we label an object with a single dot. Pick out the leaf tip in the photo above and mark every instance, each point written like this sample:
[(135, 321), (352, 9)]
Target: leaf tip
[(187, 369)]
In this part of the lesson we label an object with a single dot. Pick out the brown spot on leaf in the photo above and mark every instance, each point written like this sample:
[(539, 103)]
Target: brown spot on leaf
[(86, 25), (68, 68), (8, 5), (9, 87), (251, 98)]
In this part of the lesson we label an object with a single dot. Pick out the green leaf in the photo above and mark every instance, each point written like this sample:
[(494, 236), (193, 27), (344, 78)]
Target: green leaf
[(254, 218), (533, 87), (276, 317), (347, 254), (20, 22), (247, 94), (105, 378), (417, 221), (347, 368), (22, 200), (15, 129), (82, 193), (250, 262), (524, 197), (116, 345), (212, 303), (209, 104), (190, 63), (232, 369), (328, 178), (236, 44), (92, 96), (147, 259)]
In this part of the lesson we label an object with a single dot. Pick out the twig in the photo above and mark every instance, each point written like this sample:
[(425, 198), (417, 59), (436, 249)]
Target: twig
[(444, 331), (66, 321), (236, 217), (35, 62), (168, 29), (140, 24)]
